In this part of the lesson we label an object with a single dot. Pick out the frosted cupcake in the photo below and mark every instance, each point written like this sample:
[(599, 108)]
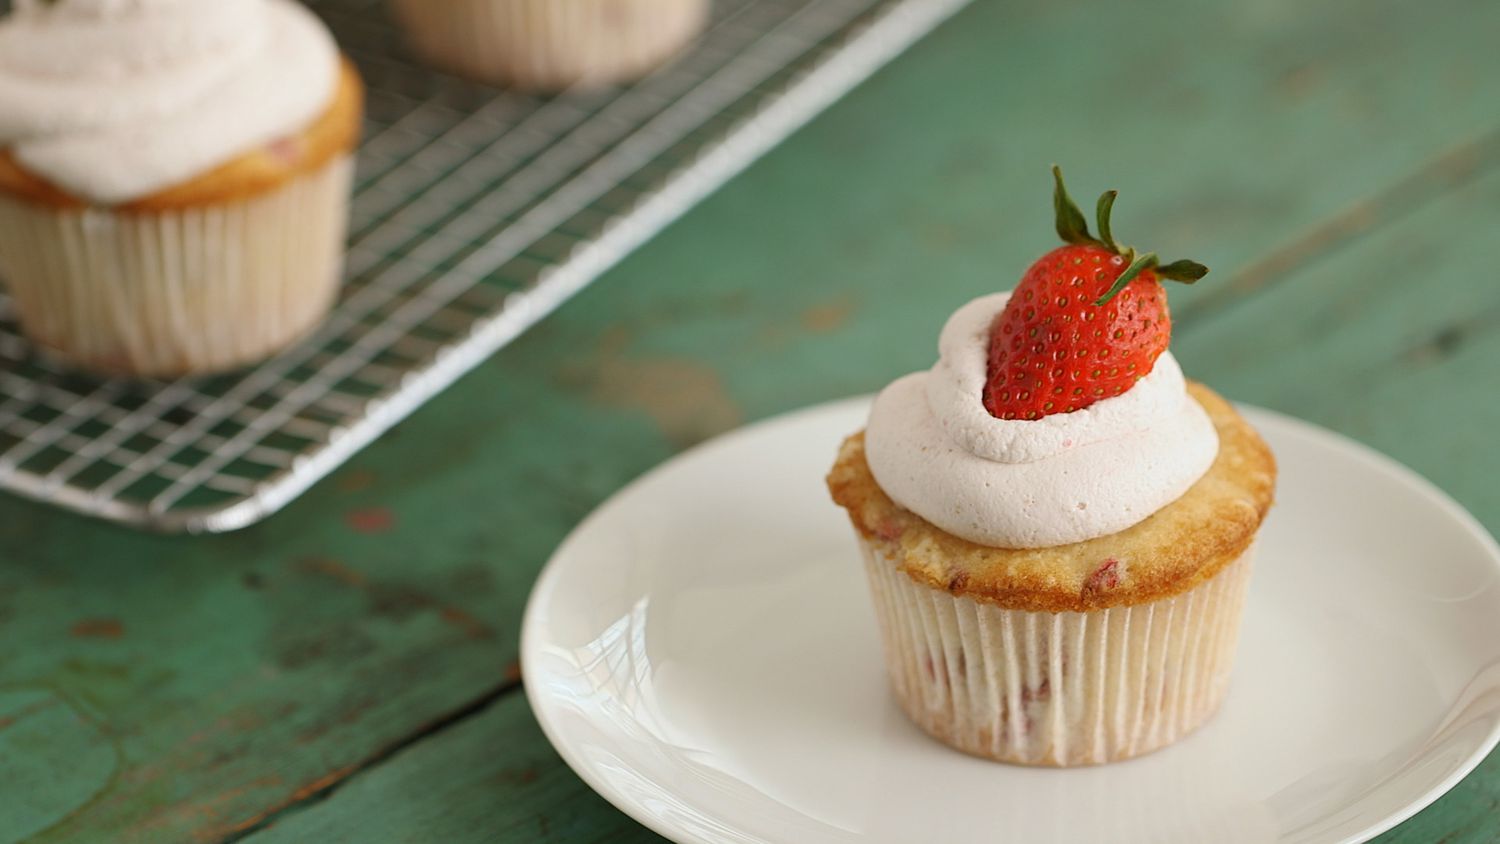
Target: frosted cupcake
[(1057, 526), (550, 45), (174, 178)]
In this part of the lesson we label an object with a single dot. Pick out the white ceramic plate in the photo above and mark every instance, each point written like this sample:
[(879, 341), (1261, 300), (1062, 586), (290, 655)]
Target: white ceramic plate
[(702, 653)]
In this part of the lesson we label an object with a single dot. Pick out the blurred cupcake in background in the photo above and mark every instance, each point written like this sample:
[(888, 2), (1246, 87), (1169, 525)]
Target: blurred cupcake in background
[(174, 178), (549, 45)]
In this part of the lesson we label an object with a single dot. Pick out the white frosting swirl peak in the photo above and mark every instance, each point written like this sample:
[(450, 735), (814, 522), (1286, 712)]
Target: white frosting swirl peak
[(1063, 478), (113, 100)]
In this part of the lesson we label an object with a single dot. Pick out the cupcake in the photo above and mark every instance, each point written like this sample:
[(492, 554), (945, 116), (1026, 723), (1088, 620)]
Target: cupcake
[(1057, 526), (550, 45), (174, 179)]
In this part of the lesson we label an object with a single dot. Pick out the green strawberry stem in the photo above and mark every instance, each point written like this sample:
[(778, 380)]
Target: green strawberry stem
[(1137, 264), (1073, 228), (1101, 213)]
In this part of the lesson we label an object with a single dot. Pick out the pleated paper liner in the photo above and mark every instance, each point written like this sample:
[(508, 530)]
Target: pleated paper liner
[(1059, 689), (550, 44), (197, 290)]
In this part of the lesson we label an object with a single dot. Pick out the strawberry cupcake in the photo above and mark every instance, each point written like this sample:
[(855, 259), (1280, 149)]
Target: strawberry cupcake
[(174, 178), (549, 45), (1056, 525)]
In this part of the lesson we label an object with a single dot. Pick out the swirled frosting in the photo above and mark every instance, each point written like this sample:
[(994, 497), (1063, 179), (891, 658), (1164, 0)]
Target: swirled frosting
[(1063, 478), (114, 100)]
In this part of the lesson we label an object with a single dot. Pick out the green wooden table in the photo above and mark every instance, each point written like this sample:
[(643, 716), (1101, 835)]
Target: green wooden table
[(347, 670)]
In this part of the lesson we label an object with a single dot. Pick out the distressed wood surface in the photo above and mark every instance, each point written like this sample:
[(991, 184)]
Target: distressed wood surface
[(346, 671)]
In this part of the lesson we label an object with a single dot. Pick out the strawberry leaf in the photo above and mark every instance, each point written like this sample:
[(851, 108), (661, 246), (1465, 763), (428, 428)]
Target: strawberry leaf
[(1071, 226), (1184, 271), (1137, 265), (1101, 212)]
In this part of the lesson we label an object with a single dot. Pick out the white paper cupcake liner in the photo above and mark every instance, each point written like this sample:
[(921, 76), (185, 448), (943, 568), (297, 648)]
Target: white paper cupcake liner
[(169, 293), (550, 44), (1062, 689)]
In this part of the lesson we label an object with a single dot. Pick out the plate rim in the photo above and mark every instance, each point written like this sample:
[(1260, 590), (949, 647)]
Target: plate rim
[(1326, 437)]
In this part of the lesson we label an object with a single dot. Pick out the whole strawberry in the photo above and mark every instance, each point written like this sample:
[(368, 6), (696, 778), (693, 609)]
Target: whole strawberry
[(1087, 321)]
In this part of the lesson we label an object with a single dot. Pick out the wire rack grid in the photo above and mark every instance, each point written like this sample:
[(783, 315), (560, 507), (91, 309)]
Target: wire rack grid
[(476, 213)]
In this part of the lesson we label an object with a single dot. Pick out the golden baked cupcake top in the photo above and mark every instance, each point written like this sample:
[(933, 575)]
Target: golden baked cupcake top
[(162, 104), (1171, 551), (1055, 458), (335, 132)]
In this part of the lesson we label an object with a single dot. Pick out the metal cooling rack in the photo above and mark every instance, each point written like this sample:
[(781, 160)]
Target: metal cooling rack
[(476, 213)]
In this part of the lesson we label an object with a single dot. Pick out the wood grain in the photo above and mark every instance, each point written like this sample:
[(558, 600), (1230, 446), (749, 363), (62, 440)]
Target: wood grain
[(342, 669), (491, 778), (1343, 342), (1250, 349)]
